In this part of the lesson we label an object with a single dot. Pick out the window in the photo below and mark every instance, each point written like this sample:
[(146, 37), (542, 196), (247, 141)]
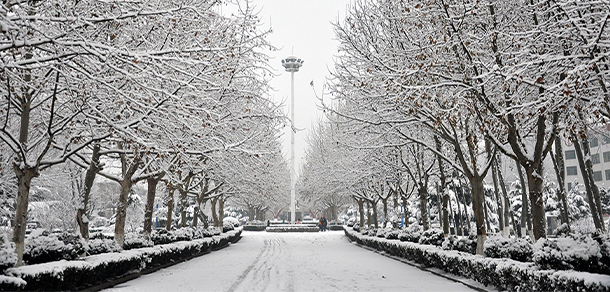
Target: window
[(607, 156), (593, 142), (569, 186), (570, 154), (595, 158), (607, 174), (571, 170), (597, 175), (606, 140)]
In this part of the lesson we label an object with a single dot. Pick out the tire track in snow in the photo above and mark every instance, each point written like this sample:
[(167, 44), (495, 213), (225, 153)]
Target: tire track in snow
[(243, 276), (266, 266)]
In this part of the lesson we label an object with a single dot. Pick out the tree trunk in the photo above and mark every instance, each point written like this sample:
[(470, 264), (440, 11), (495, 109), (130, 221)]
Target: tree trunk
[(385, 211), (507, 213), (361, 211), (535, 183), (499, 201), (214, 214), (460, 218), (423, 207), (405, 208), (250, 213), (170, 207), (150, 202), (587, 173), (525, 223), (221, 212), (24, 182), (374, 206), (83, 213), (183, 206), (559, 166), (368, 213), (121, 211), (478, 203)]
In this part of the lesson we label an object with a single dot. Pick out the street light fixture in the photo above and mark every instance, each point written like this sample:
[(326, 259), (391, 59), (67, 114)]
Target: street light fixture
[(292, 64)]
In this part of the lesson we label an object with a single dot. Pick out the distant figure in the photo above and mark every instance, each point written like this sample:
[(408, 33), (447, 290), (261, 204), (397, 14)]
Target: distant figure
[(323, 223), (268, 223), (298, 221), (283, 221)]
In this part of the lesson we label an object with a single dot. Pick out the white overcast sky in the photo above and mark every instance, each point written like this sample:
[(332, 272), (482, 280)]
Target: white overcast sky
[(304, 25)]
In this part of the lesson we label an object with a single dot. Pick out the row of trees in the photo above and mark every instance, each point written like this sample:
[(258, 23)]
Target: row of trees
[(155, 91), (435, 87)]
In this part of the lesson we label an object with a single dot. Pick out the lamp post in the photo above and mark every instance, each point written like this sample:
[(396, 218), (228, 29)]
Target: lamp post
[(292, 64)]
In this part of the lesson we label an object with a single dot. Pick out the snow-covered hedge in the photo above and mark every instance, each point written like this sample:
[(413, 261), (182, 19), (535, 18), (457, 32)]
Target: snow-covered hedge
[(581, 252), (93, 270), (461, 243), (505, 274), (516, 248), (293, 228), (45, 248)]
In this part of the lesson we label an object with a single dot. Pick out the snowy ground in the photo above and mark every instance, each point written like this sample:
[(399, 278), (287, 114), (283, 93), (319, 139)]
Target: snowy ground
[(263, 261)]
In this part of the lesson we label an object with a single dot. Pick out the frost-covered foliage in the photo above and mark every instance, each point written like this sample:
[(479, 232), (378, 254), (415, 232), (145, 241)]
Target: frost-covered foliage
[(411, 233), (8, 257), (580, 252), (91, 270), (102, 245), (460, 243), (231, 220), (45, 248), (227, 226), (134, 240), (392, 234), (356, 227), (432, 236), (516, 248), (504, 274)]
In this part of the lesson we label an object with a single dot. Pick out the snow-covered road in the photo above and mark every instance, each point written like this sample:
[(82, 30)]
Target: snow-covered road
[(263, 261)]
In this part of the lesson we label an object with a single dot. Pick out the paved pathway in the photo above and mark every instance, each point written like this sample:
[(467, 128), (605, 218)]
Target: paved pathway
[(263, 261)]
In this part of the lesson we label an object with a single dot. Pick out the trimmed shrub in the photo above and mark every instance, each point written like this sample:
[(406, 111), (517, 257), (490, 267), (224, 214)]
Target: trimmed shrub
[(516, 248), (392, 234), (461, 243), (411, 233), (133, 240), (432, 237), (227, 226), (576, 252), (47, 248), (102, 245)]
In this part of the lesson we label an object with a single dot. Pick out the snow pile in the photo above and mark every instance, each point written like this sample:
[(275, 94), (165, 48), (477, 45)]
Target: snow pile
[(519, 249), (505, 274)]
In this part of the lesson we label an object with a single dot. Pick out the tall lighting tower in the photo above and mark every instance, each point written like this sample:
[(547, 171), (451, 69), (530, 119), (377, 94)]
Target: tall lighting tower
[(292, 64)]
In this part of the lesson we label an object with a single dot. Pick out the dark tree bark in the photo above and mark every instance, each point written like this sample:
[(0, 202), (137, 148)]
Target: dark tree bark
[(150, 202), (587, 177), (84, 212)]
